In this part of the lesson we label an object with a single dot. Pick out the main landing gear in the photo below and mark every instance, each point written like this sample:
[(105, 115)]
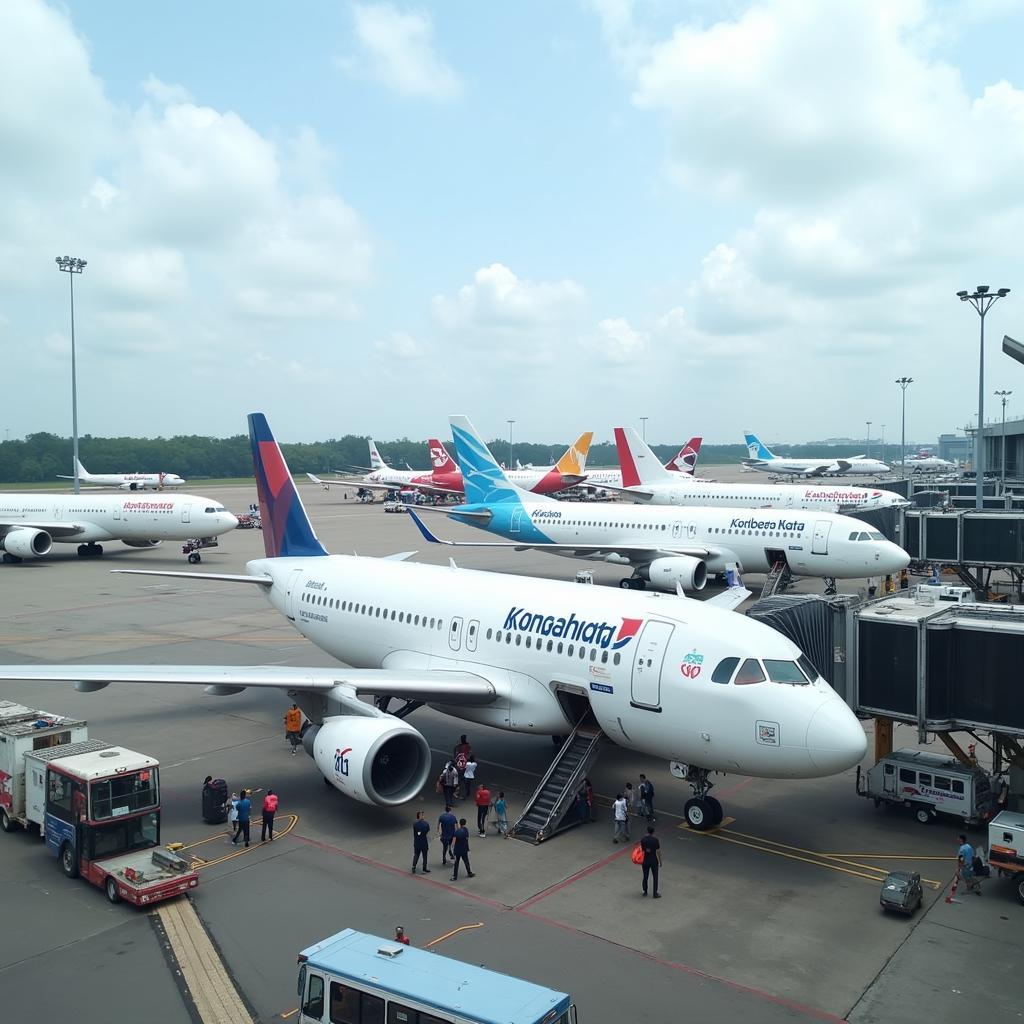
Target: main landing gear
[(90, 550), (703, 811), (633, 583)]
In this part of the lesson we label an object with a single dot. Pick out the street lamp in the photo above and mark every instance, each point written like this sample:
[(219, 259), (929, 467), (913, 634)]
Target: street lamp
[(511, 464), (643, 428), (867, 443), (982, 299), (71, 265), (1003, 395), (904, 383), (882, 443)]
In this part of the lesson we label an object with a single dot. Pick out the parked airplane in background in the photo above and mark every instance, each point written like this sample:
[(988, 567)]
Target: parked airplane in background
[(30, 524), (762, 459), (683, 463), (666, 547), (647, 481), (519, 654), (926, 462), (126, 481), (446, 478)]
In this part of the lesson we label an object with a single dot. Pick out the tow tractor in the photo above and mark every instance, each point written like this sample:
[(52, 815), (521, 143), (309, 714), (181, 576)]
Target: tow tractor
[(194, 545), (96, 806)]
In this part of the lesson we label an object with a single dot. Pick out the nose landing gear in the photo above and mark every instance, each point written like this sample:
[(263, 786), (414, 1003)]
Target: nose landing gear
[(703, 811)]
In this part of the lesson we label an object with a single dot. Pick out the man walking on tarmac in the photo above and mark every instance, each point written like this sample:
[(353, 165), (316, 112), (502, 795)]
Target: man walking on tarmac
[(293, 727), (269, 810), (965, 865), (420, 839)]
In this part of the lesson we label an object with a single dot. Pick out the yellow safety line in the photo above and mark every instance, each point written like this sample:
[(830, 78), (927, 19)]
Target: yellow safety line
[(825, 856), (454, 931), (888, 856), (247, 849), (290, 1013)]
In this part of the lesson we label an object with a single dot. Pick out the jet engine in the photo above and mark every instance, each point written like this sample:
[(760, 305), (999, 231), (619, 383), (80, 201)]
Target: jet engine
[(142, 543), (26, 543), (133, 486), (379, 761), (664, 573)]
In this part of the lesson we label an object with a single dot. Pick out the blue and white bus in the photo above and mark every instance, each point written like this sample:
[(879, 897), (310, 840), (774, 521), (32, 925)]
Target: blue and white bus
[(355, 978)]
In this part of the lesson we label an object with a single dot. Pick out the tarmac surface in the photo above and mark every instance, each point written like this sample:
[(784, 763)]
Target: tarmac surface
[(772, 917)]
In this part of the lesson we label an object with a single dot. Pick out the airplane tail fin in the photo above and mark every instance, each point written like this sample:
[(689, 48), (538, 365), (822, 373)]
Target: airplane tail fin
[(376, 462), (82, 471), (483, 480), (639, 464), (440, 460), (574, 461), (287, 531), (756, 449), (685, 460)]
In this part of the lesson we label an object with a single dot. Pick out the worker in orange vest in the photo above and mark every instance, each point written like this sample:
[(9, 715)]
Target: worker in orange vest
[(293, 726)]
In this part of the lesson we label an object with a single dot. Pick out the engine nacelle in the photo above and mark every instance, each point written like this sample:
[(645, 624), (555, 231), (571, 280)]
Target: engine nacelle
[(26, 543), (142, 543), (379, 761), (664, 573), (132, 486)]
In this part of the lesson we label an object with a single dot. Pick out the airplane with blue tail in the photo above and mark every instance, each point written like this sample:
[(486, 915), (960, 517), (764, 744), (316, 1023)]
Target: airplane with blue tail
[(762, 459), (666, 547), (518, 654)]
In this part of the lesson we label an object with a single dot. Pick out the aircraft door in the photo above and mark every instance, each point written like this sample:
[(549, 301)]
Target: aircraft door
[(819, 545), (677, 531), (455, 633), (294, 592), (517, 517), (647, 664), (186, 513), (472, 634)]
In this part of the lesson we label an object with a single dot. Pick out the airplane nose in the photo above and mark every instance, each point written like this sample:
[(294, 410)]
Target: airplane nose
[(230, 520), (891, 559), (835, 738)]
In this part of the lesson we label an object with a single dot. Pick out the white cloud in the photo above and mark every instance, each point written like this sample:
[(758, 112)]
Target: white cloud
[(400, 345), (619, 342), (397, 50)]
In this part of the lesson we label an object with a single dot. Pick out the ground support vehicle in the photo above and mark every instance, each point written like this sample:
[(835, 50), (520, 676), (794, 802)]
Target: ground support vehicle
[(1006, 847), (930, 784), (395, 506), (352, 976), (97, 807), (901, 891), (194, 545)]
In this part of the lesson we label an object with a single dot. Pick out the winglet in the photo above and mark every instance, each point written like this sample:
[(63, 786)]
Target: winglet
[(287, 531)]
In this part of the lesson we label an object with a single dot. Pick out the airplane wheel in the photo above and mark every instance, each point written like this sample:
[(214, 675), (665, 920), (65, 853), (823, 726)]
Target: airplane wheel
[(627, 583), (717, 814), (10, 559), (698, 814), (194, 558), (83, 551)]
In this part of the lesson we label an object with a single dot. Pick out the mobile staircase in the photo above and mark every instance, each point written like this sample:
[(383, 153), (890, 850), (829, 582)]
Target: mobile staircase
[(550, 809), (777, 580)]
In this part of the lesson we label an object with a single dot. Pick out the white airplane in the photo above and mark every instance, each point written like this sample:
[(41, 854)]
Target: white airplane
[(126, 481), (666, 548), (683, 463), (925, 462), (762, 459), (30, 524), (647, 481), (706, 689)]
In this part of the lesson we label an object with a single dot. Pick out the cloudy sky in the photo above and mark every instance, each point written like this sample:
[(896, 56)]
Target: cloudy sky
[(360, 217)]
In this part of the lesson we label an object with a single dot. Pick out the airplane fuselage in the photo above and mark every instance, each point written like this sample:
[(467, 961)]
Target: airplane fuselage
[(643, 662), (778, 496)]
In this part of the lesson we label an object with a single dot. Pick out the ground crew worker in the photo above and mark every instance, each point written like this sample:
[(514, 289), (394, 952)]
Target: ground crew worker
[(269, 810), (483, 804), (420, 834), (293, 726)]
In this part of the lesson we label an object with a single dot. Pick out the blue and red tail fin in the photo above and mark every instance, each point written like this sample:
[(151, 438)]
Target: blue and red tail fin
[(287, 531)]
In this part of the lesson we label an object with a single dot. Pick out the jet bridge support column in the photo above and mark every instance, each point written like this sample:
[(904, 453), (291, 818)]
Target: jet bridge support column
[(883, 738)]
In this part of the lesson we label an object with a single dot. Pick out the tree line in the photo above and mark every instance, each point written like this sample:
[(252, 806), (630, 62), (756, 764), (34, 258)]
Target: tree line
[(41, 457)]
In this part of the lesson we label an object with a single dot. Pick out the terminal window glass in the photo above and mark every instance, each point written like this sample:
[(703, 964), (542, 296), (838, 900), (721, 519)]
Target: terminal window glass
[(750, 672), (314, 1004), (908, 775), (724, 670)]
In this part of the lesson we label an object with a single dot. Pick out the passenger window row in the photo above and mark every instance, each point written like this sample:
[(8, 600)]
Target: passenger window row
[(375, 611), (557, 647)]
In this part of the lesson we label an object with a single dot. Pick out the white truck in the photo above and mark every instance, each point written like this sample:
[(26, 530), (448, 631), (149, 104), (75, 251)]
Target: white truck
[(929, 784), (1006, 847)]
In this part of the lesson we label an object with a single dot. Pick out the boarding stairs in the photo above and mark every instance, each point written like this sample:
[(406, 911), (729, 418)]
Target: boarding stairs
[(777, 580), (551, 808)]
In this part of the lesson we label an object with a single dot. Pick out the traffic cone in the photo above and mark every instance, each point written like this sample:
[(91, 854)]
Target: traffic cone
[(953, 889)]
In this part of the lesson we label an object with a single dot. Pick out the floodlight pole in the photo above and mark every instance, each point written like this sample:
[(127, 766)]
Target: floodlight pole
[(867, 443), (982, 299), (71, 265), (643, 428), (1004, 395), (511, 463), (904, 383)]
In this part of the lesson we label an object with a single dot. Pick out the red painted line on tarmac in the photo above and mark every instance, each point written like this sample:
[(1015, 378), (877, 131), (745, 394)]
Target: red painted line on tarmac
[(789, 1004), (735, 789), (552, 889), (370, 862)]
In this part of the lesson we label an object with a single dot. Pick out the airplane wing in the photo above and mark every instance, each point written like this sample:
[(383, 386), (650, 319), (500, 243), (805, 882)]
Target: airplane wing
[(646, 550), (54, 529), (638, 492), (432, 686), (729, 599), (844, 465), (323, 483)]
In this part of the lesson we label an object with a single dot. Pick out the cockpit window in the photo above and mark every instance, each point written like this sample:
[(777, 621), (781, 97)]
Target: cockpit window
[(784, 671), (854, 535), (724, 670), (750, 672), (876, 536), (209, 508), (808, 669)]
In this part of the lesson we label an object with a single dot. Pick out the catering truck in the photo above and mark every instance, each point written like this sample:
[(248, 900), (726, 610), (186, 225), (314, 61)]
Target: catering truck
[(1006, 847), (96, 805)]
